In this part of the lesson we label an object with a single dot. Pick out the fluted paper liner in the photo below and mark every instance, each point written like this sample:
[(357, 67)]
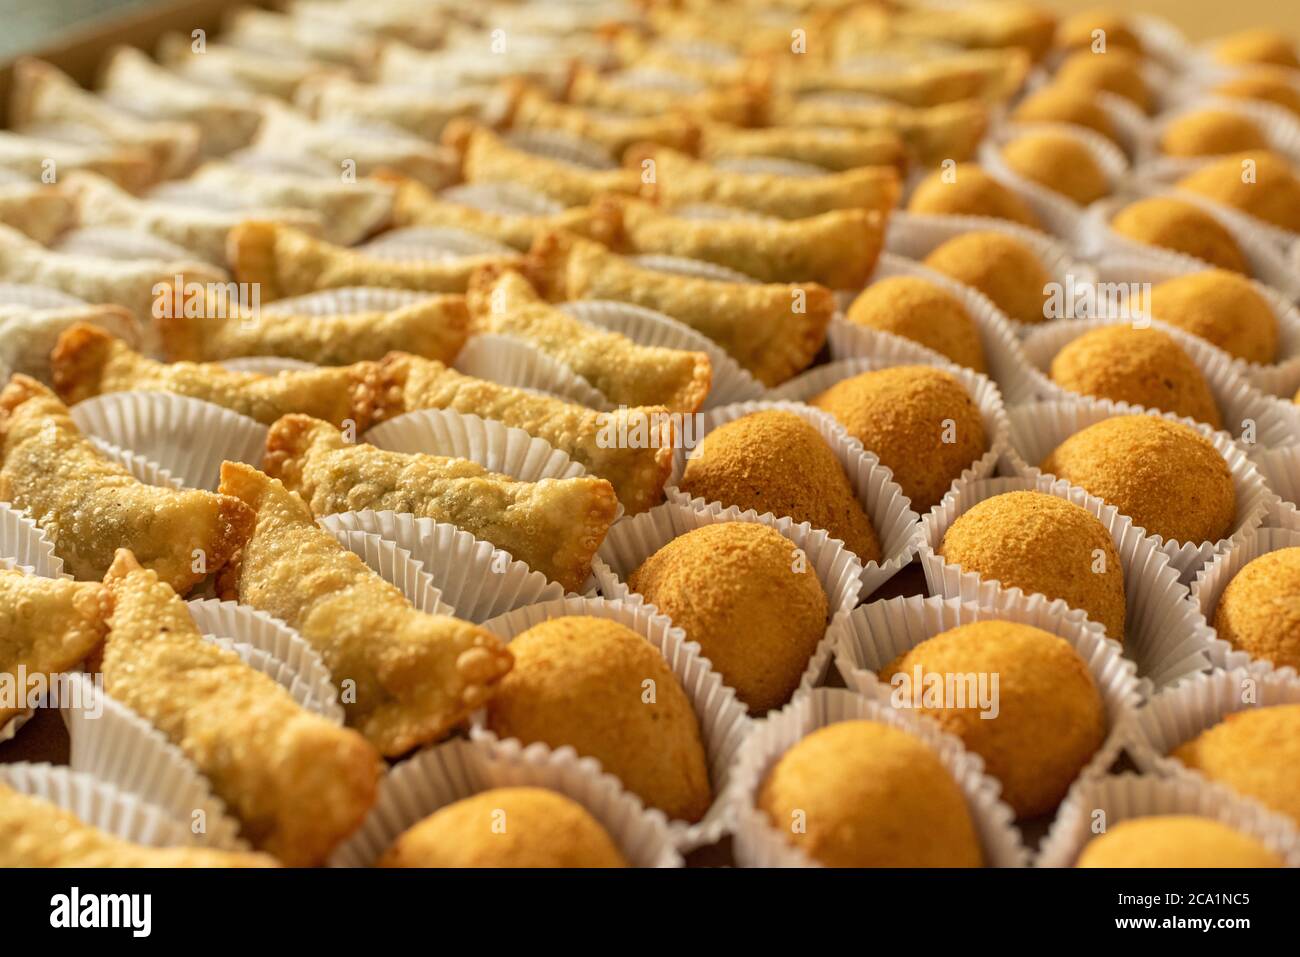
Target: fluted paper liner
[(564, 147), (394, 564), (36, 297), (888, 508), (345, 301), (1166, 634), (770, 165), (141, 469), (458, 769), (722, 719), (692, 268), (115, 242), (1281, 471), (514, 362), (504, 199), (266, 365), (26, 341), (1125, 797), (758, 844), (24, 544)]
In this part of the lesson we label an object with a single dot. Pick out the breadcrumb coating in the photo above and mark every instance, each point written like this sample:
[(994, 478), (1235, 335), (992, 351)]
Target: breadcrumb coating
[(1001, 267), (1175, 840), (1259, 610), (967, 190), (1183, 227), (1222, 308), (922, 311), (1060, 163)]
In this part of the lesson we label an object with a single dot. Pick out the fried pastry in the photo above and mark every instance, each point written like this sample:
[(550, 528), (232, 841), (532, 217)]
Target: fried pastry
[(1114, 71), (344, 100), (1211, 132), (830, 148), (222, 65), (1001, 267), (38, 212), (923, 311), (1257, 46), (407, 677), (89, 506), (1176, 840), (1265, 83), (37, 158), (31, 334), (1059, 162), (533, 110), (298, 783), (554, 525), (88, 362), (932, 134), (1221, 307), (967, 190), (1056, 103), (773, 330), (738, 105), (1270, 193)]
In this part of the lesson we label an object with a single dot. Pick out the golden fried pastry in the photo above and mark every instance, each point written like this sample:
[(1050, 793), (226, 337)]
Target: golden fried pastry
[(38, 211), (297, 783), (1036, 729), (1209, 132), (47, 625), (1175, 840), (1260, 184), (486, 158), (932, 134), (740, 591), (1164, 475), (506, 827), (990, 24), (25, 156), (407, 677), (1259, 45), (735, 104), (287, 262), (1116, 71), (775, 461), (1042, 544), (1001, 267), (1257, 611), (34, 333), (833, 149), (1056, 103), (1265, 84), (1144, 367), (88, 362), (332, 98), (1086, 29), (966, 190), (866, 794), (1222, 308), (36, 833), (920, 310), (225, 64), (774, 330), (837, 249), (1183, 227), (533, 110), (581, 682), (502, 301), (1059, 162), (672, 179), (919, 420), (554, 525), (1254, 752), (89, 506)]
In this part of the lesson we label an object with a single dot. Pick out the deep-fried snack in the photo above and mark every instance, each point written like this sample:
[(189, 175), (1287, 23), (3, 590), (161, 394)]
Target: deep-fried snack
[(222, 64), (32, 157), (89, 506), (533, 110), (38, 212), (1183, 227), (88, 362), (342, 99), (739, 105), (932, 134), (31, 334), (773, 330), (407, 677), (298, 783), (830, 148), (554, 525), (967, 190)]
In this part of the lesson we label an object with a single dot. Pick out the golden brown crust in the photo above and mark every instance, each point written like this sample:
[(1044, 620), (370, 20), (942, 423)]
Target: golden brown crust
[(534, 111)]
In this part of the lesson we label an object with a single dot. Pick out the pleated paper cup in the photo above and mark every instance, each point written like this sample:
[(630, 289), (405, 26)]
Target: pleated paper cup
[(504, 199), (514, 362), (771, 166), (458, 769), (118, 243), (1057, 216), (163, 428), (27, 340), (1127, 797), (24, 546), (142, 469), (266, 365), (1279, 127), (1244, 410), (345, 301), (396, 565), (691, 268), (731, 382), (1166, 634), (722, 719), (1281, 471), (564, 147), (1038, 428), (433, 242), (1208, 588), (758, 843), (873, 636), (888, 508), (631, 542), (36, 297)]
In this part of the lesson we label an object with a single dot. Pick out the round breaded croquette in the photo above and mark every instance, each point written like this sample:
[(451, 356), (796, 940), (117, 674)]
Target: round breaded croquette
[(1116, 71), (506, 827), (1047, 716), (1042, 544), (1258, 183), (1164, 475), (920, 421), (775, 461), (923, 312), (582, 681), (1058, 104), (1255, 752), (967, 190), (1144, 367), (1223, 308), (1259, 45), (1259, 611), (1210, 132), (1059, 162), (867, 794), (1264, 84), (1175, 840), (1181, 226), (1001, 267), (746, 595), (1080, 31)]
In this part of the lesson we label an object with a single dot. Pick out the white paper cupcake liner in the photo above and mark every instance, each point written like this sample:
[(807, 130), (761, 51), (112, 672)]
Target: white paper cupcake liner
[(692, 268), (433, 242), (631, 542), (1166, 634), (266, 365), (731, 383), (516, 363), (345, 301), (141, 469), (504, 199), (1125, 797), (165, 428), (722, 718), (113, 242), (36, 297), (25, 546), (1208, 588), (457, 769), (1037, 429), (758, 844), (770, 165), (396, 565), (1281, 471), (564, 147), (888, 508)]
